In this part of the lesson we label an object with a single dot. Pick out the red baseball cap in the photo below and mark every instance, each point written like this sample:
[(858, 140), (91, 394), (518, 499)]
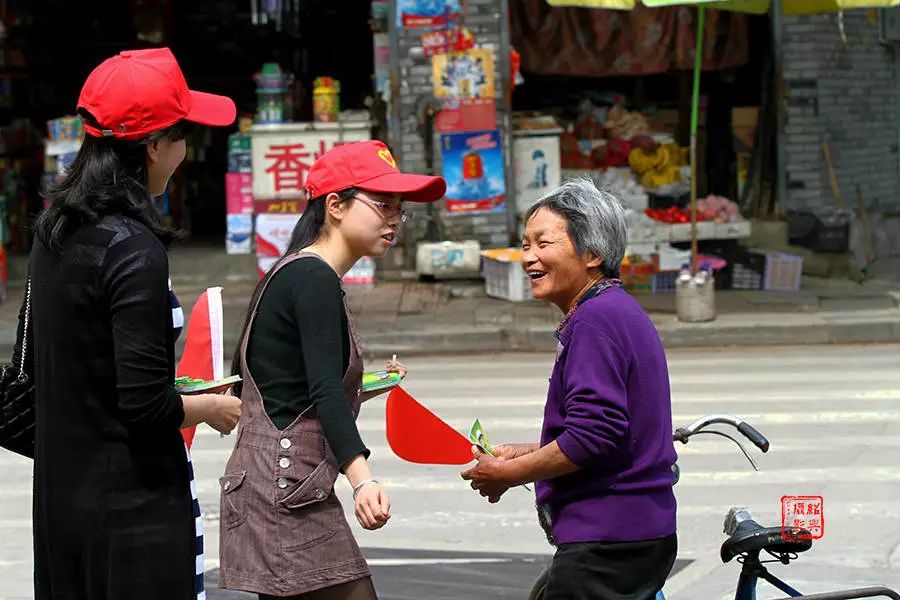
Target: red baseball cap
[(138, 92), (369, 166)]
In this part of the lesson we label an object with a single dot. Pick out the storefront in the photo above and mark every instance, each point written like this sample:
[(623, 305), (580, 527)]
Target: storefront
[(618, 84), (48, 47), (579, 91)]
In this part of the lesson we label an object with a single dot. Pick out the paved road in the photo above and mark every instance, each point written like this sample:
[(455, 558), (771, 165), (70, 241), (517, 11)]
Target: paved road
[(832, 414)]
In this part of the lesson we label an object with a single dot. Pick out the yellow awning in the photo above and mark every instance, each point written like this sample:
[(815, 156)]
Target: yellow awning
[(789, 7)]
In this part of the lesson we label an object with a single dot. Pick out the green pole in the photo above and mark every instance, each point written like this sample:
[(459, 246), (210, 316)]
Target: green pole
[(695, 109)]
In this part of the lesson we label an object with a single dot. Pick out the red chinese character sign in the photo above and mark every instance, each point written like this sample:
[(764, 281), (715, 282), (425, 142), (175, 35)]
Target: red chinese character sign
[(802, 517), (283, 154), (288, 165)]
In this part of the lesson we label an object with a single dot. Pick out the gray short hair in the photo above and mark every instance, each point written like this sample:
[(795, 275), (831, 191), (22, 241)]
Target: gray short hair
[(596, 220)]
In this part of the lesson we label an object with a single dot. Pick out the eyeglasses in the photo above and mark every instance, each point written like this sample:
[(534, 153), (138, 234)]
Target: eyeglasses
[(387, 210)]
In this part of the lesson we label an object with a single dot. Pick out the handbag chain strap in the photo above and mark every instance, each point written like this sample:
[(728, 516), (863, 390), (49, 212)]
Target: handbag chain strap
[(22, 377)]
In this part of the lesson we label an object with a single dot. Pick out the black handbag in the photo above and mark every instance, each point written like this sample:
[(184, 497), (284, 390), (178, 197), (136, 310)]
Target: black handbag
[(17, 402)]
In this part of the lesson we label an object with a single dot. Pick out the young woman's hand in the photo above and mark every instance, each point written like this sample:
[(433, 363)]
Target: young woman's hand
[(395, 366), (373, 507), (224, 412)]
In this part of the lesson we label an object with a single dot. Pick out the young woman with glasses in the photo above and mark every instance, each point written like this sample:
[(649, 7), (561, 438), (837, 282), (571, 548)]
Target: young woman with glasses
[(283, 531)]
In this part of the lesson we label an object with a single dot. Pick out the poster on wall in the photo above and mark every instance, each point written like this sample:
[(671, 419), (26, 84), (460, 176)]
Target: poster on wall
[(473, 168), (382, 52), (468, 74), (427, 13), (466, 114), (273, 234)]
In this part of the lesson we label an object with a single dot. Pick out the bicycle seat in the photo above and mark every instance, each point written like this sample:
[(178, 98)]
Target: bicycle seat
[(751, 537)]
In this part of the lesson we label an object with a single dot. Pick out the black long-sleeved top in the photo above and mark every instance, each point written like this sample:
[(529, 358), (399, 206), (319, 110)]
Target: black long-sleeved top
[(112, 504), (299, 349)]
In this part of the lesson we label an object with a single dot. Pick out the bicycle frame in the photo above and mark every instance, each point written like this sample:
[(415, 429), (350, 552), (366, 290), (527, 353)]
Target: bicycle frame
[(753, 570)]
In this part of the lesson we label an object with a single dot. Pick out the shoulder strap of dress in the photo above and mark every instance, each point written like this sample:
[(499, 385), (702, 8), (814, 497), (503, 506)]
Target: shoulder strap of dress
[(283, 262)]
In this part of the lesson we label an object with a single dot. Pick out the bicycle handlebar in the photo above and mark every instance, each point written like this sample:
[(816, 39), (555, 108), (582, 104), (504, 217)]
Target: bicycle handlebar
[(754, 436), (682, 434)]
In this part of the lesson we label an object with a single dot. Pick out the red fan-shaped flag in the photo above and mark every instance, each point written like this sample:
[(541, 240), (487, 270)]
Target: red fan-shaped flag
[(417, 435), (204, 353)]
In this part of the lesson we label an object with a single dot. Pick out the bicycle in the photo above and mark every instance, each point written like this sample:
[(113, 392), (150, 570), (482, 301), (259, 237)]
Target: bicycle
[(747, 539)]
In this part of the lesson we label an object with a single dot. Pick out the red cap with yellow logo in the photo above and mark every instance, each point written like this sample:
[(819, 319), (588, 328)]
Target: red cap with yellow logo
[(369, 166)]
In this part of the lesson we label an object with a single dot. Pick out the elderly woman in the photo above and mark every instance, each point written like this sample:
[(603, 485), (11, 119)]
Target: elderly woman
[(603, 468)]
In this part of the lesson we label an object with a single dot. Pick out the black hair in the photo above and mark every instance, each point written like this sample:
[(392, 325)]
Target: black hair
[(108, 176), (308, 229)]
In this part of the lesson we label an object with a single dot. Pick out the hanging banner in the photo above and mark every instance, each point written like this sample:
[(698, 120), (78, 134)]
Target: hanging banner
[(473, 168), (468, 74), (427, 13)]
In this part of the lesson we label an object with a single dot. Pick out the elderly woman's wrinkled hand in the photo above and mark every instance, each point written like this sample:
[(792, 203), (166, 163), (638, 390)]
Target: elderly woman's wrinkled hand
[(489, 477)]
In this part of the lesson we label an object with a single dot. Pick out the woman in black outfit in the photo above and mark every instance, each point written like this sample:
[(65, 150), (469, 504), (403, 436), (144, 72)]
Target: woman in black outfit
[(113, 510)]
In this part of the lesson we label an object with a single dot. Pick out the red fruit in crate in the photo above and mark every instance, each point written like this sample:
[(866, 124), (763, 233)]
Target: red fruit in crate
[(644, 142), (617, 151)]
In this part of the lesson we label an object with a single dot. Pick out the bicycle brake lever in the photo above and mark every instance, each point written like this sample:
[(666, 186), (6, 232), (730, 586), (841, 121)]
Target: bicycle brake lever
[(735, 440), (747, 454)]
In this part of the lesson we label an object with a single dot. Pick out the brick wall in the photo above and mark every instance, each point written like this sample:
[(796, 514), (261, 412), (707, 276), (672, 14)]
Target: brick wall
[(845, 95), (484, 20)]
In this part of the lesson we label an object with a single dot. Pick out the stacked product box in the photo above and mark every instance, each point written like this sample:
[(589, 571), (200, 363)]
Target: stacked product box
[(239, 196)]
